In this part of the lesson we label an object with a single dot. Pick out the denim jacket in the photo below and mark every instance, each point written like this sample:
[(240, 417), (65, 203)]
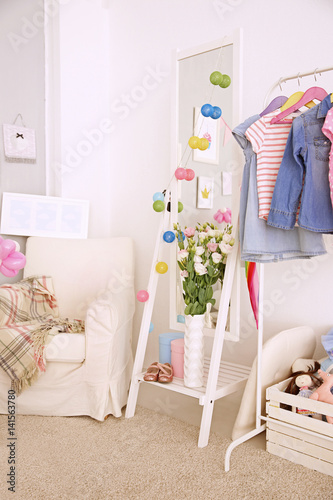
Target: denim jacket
[(305, 161)]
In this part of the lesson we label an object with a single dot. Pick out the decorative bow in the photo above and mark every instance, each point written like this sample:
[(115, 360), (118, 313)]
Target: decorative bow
[(19, 135), (223, 215)]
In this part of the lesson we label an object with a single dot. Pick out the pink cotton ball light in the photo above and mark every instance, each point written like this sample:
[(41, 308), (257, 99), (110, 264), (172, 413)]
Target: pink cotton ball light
[(11, 260), (190, 174), (180, 173), (142, 295)]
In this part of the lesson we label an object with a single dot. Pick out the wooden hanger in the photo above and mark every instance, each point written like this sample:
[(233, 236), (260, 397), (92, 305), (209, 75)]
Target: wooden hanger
[(312, 93), (276, 103)]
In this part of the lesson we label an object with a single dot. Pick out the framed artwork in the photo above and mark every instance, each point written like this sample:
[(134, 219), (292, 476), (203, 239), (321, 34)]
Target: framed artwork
[(205, 192), (33, 215), (209, 129)]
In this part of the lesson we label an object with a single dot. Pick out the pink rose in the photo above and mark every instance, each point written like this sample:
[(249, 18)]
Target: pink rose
[(212, 246), (189, 232), (184, 273)]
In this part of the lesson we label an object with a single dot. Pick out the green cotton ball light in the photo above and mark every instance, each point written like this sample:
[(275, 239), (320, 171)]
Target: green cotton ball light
[(180, 206), (158, 206), (226, 80), (216, 78)]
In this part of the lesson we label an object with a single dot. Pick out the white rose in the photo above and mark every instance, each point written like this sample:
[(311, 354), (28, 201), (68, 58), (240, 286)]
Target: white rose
[(200, 269), (202, 235), (211, 233), (225, 247), (199, 250), (227, 238), (182, 254), (197, 258), (216, 257)]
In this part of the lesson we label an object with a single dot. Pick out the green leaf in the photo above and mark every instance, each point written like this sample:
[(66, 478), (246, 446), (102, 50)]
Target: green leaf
[(210, 270), (202, 294), (209, 293), (188, 309), (190, 266), (211, 301)]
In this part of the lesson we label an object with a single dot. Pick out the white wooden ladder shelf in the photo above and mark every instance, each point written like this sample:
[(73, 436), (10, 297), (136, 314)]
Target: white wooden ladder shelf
[(221, 378)]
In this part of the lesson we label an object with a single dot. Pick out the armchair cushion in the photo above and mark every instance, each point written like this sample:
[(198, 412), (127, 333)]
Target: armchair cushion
[(66, 348)]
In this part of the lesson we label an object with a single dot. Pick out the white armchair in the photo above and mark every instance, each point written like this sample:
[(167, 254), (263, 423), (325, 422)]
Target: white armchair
[(86, 374)]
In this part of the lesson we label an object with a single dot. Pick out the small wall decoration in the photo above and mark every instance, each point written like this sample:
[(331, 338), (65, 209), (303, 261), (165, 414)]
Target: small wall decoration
[(205, 192), (19, 142), (33, 215), (205, 127)]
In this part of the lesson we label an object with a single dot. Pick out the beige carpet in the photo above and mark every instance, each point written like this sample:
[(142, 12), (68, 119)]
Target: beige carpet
[(150, 456)]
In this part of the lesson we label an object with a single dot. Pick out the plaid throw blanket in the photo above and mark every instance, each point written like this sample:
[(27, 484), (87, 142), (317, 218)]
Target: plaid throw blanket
[(28, 322)]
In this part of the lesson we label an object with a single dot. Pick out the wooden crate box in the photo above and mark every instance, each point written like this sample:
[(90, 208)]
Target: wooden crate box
[(299, 438)]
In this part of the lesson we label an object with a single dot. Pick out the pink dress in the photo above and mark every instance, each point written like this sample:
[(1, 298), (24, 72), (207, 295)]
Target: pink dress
[(328, 131)]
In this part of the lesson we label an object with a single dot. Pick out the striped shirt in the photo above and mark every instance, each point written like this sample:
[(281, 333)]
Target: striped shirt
[(268, 142)]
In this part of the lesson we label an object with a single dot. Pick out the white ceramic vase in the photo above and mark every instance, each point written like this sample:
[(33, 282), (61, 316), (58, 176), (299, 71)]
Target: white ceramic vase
[(194, 350)]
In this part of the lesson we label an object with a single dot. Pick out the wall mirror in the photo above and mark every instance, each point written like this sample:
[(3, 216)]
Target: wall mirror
[(217, 169)]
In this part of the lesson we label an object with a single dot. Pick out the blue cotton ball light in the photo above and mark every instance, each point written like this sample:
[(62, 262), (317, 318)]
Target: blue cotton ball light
[(217, 112), (207, 110)]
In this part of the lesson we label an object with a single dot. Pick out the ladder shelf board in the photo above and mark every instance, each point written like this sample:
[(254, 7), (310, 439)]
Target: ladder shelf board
[(231, 378)]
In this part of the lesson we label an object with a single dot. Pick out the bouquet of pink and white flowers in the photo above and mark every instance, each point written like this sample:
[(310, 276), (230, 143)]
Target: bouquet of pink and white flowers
[(202, 258)]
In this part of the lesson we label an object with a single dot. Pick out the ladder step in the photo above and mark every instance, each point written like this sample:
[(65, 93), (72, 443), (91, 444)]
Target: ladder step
[(231, 378)]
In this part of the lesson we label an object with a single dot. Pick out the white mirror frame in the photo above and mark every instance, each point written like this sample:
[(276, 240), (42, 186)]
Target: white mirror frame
[(236, 40)]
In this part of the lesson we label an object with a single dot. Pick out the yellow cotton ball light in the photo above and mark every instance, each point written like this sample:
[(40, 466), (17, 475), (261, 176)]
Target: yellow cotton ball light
[(193, 142), (203, 144), (161, 267)]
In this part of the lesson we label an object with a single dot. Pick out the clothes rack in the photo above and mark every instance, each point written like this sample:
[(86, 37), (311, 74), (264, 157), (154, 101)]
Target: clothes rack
[(296, 76), (259, 418)]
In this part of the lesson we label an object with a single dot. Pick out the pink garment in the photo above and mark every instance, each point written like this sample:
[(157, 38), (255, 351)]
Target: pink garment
[(328, 131)]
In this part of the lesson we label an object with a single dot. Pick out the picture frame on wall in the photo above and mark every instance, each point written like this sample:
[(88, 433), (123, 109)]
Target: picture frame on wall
[(210, 129), (205, 192), (49, 216)]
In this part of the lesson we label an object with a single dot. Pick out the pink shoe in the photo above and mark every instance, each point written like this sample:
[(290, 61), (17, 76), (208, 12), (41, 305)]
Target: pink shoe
[(152, 372), (165, 374)]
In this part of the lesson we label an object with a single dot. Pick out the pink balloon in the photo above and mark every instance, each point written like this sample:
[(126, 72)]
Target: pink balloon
[(15, 261), (10, 260), (142, 295), (9, 273), (6, 248)]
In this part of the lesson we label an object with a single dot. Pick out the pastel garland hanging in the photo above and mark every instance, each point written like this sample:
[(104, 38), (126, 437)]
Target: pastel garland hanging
[(183, 173)]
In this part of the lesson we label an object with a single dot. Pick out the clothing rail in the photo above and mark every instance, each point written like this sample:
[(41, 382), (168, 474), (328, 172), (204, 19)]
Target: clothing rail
[(260, 427), (294, 77)]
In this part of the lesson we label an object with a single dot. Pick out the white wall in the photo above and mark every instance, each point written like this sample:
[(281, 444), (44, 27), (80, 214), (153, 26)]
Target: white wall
[(116, 63), (22, 90)]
